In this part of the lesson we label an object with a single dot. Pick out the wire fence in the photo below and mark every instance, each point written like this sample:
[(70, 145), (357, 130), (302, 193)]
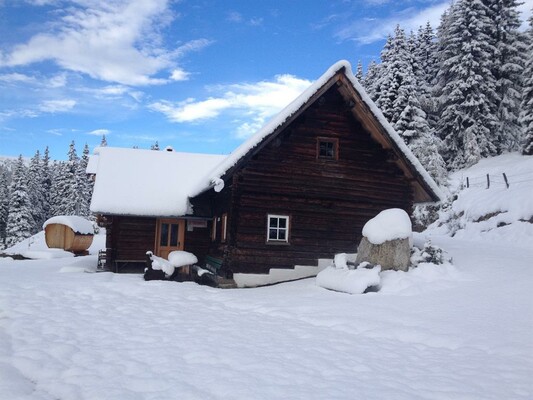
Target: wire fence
[(488, 181)]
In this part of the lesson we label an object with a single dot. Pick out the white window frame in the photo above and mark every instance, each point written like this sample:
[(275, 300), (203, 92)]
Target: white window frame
[(224, 227), (286, 229)]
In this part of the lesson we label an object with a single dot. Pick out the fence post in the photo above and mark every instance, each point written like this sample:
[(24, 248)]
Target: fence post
[(506, 181), (467, 183), (488, 181)]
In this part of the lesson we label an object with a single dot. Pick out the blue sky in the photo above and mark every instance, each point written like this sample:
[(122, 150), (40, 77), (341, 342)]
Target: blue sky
[(200, 75)]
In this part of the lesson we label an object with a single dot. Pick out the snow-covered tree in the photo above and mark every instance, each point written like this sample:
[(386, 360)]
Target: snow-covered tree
[(84, 183), (425, 71), (359, 71), (4, 206), (509, 51), (397, 79), (46, 183), (526, 115), (371, 78), (19, 221), (468, 86), (155, 146), (36, 192), (103, 143)]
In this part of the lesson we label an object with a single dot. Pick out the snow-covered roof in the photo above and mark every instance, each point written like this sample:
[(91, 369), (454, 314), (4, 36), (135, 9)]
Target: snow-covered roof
[(148, 182), (77, 224), (300, 102), (160, 183), (93, 162)]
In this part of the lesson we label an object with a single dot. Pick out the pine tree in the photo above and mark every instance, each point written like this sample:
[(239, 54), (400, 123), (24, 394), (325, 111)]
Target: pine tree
[(396, 81), (359, 71), (84, 183), (155, 146), (468, 85), (4, 207), (425, 54), (371, 78), (46, 183), (36, 192), (526, 115), (19, 221), (58, 189), (509, 52), (103, 143)]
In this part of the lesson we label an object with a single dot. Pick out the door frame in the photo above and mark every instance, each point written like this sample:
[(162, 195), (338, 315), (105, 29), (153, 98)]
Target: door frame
[(181, 234)]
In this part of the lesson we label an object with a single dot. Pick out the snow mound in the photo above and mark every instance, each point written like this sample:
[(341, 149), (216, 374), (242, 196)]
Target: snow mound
[(181, 258), (77, 224), (353, 281), (176, 259), (388, 225)]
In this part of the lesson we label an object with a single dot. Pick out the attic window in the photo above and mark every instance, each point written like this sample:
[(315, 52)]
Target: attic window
[(327, 149)]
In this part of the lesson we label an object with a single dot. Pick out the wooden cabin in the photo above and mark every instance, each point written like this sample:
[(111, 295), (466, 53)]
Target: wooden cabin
[(70, 233), (299, 190)]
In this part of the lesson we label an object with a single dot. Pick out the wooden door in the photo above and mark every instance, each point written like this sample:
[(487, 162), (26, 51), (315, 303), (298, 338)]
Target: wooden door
[(170, 235)]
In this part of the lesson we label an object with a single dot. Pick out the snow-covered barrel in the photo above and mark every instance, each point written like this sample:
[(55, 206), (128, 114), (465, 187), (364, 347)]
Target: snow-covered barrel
[(68, 232)]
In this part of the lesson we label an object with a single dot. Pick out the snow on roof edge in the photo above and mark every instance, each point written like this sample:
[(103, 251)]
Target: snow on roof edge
[(394, 135), (234, 157), (270, 126)]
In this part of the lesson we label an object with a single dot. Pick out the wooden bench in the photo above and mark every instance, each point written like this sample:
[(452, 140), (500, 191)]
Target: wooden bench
[(213, 264), (120, 264)]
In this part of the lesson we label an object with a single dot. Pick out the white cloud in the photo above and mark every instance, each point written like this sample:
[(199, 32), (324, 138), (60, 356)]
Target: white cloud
[(250, 103), (370, 31), (58, 81), (179, 75), (114, 41), (16, 77), (54, 106), (99, 132)]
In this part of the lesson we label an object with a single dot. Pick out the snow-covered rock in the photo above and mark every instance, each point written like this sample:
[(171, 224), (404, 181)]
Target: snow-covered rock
[(390, 224), (387, 240)]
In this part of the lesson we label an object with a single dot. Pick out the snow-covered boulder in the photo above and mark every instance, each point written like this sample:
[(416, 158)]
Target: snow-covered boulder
[(387, 240)]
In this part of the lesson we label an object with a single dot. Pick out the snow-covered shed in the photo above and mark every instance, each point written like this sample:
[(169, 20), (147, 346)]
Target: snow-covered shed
[(68, 232), (300, 189)]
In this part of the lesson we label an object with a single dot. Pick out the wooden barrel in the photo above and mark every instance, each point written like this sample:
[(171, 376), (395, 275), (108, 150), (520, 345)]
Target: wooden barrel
[(59, 236)]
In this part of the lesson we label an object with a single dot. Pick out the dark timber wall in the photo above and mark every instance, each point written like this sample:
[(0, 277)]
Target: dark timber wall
[(328, 201), (129, 238)]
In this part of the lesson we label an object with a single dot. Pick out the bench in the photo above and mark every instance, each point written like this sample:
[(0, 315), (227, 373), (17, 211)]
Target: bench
[(213, 264)]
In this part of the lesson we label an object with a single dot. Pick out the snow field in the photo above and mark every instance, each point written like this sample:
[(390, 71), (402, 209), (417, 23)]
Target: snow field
[(462, 332)]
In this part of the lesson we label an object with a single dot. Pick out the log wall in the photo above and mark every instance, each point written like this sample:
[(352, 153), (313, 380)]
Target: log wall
[(328, 201)]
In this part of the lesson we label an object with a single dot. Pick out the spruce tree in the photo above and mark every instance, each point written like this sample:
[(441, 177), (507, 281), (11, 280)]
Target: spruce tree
[(509, 51), (526, 115), (103, 143), (37, 192), (359, 71), (46, 183), (19, 221), (371, 78), (155, 146), (466, 64), (4, 207), (84, 183)]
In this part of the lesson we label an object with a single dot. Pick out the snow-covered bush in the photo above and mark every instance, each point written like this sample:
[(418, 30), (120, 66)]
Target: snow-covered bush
[(428, 254)]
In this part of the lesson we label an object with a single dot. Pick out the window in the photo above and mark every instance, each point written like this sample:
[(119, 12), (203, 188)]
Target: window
[(224, 227), (327, 149), (278, 228)]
